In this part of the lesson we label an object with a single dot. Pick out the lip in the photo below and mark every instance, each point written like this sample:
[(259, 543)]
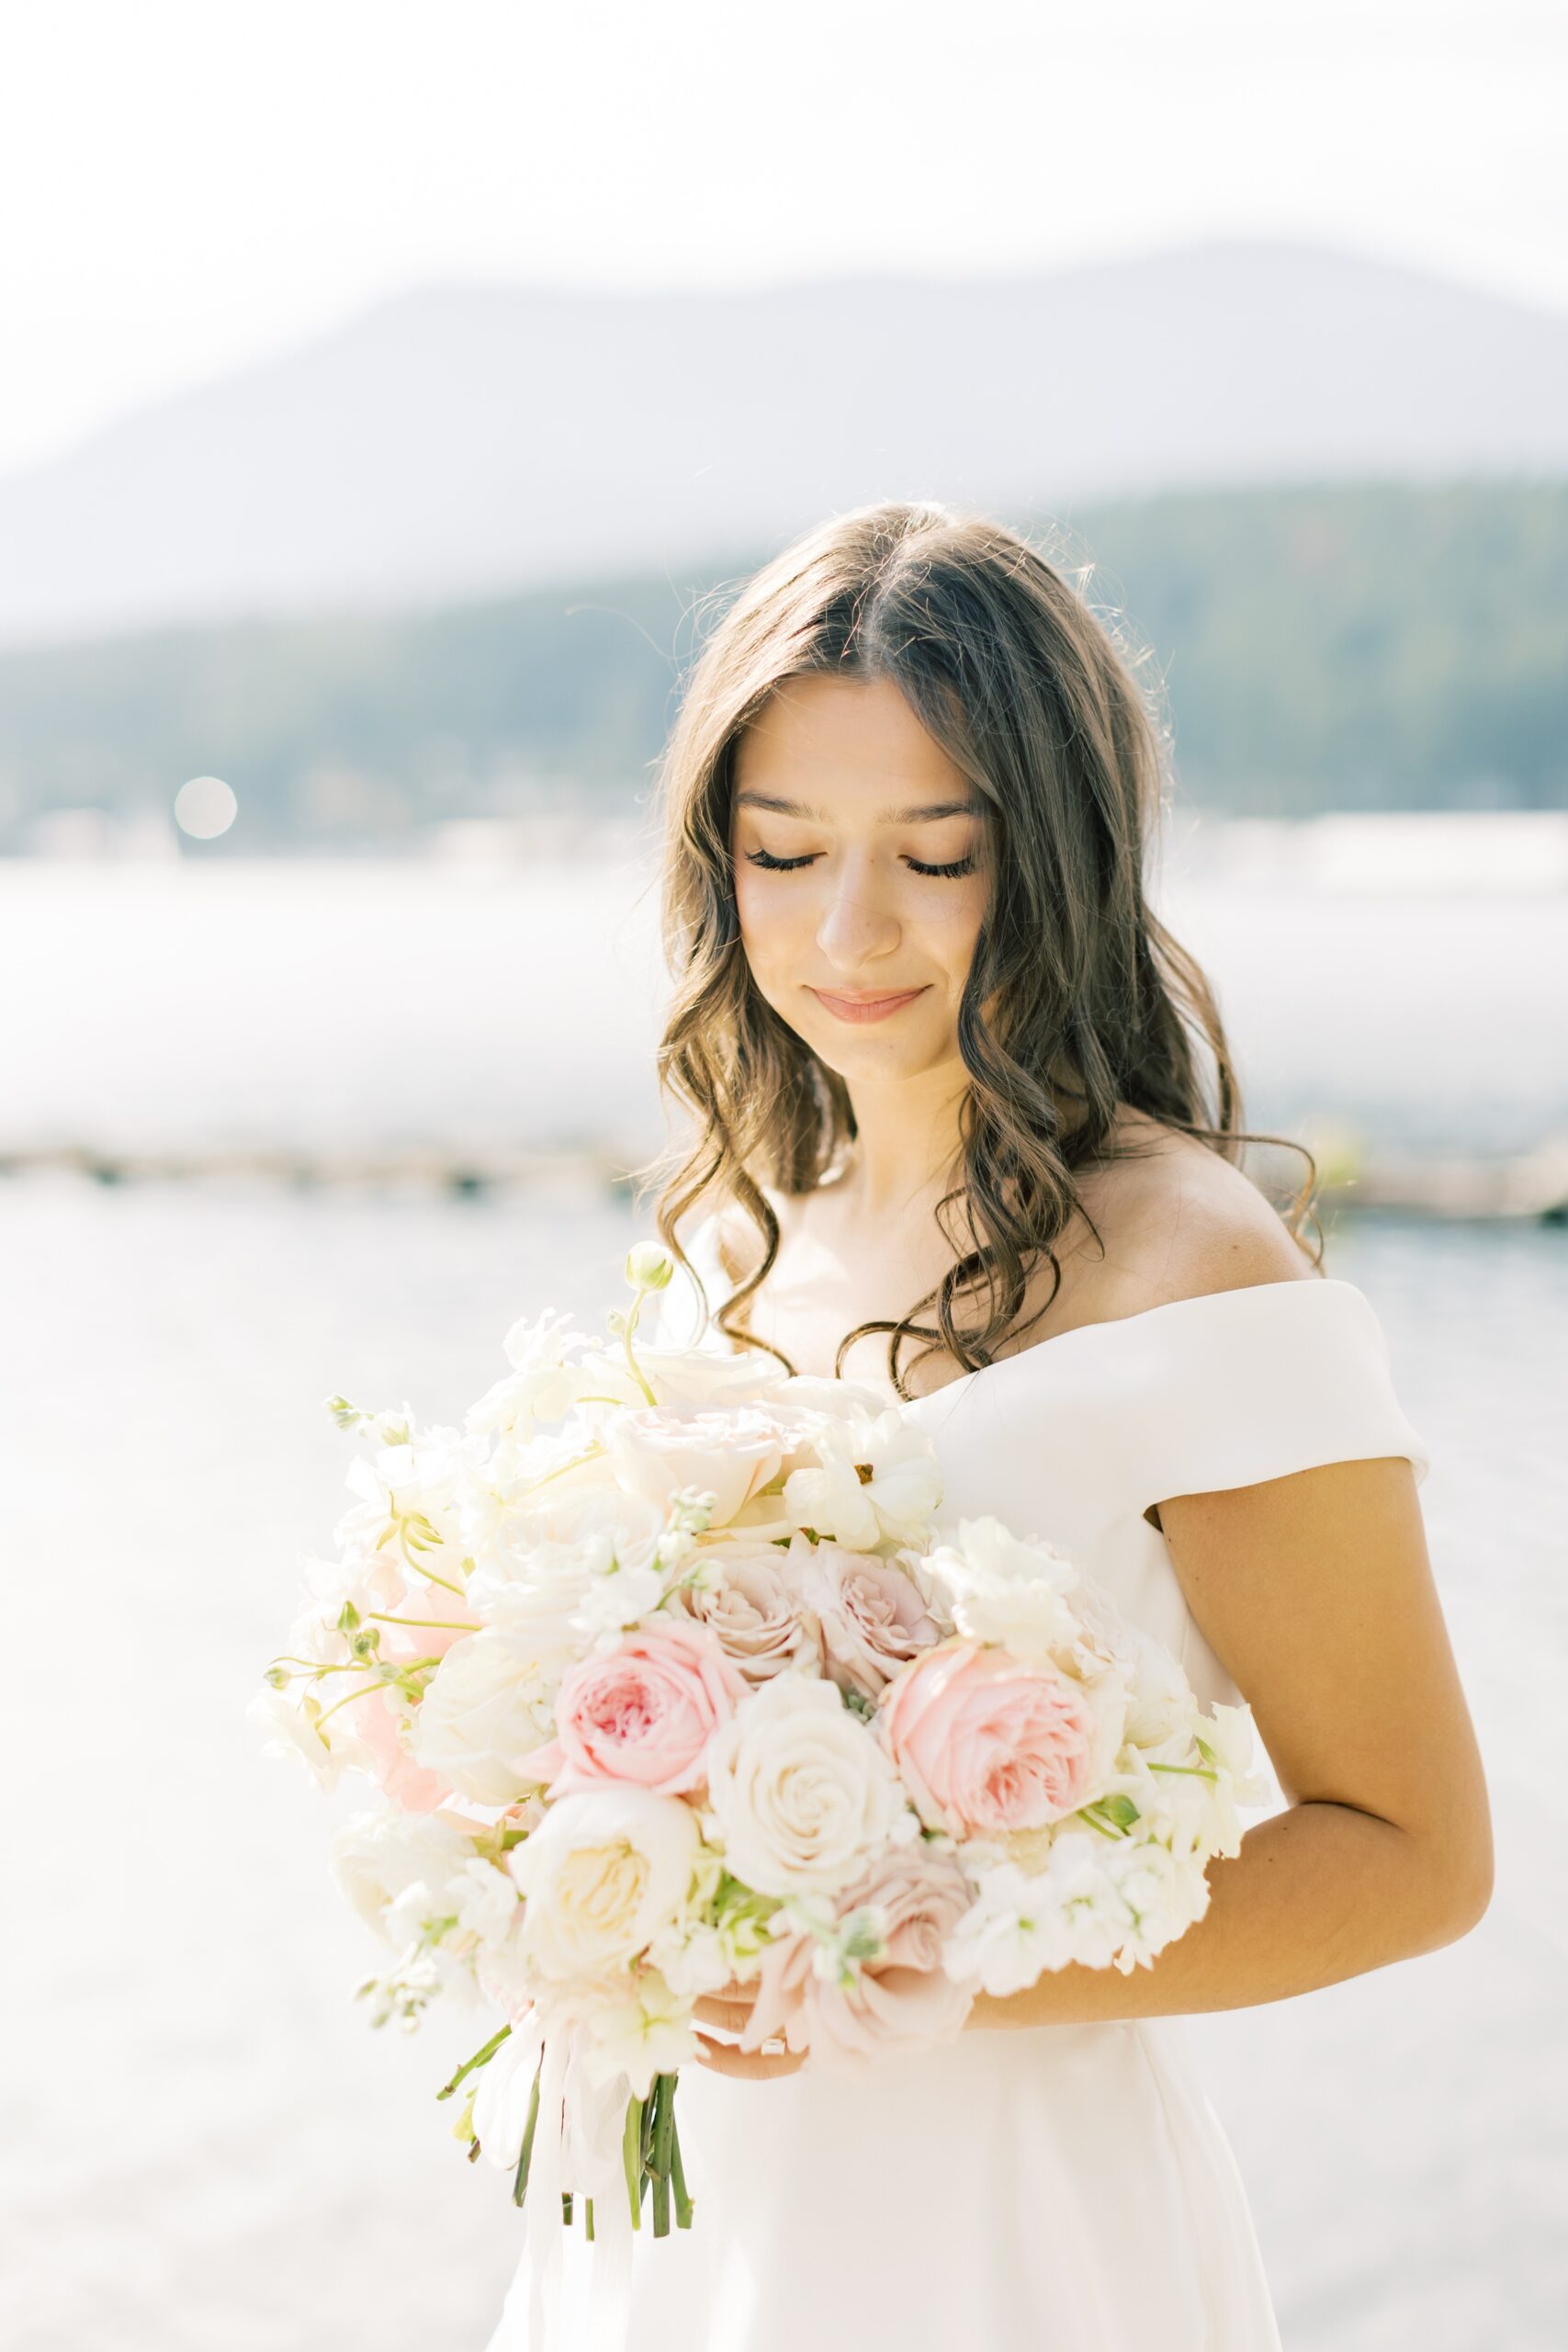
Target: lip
[(866, 1008)]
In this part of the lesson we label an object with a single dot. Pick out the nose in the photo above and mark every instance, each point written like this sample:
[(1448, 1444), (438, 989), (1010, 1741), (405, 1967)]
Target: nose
[(856, 925)]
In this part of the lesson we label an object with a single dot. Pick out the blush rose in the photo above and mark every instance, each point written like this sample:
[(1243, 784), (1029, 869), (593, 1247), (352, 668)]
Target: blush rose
[(985, 1743)]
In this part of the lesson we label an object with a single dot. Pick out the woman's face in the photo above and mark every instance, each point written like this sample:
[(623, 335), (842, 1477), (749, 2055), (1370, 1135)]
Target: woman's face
[(859, 874)]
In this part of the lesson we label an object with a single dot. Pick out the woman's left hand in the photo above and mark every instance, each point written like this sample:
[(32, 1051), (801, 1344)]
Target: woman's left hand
[(730, 2007)]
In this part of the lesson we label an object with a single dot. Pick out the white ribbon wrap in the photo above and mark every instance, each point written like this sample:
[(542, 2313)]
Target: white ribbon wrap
[(578, 2295)]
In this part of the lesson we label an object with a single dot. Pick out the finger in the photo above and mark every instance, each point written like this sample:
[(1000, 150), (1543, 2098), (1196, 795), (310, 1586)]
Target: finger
[(719, 2012)]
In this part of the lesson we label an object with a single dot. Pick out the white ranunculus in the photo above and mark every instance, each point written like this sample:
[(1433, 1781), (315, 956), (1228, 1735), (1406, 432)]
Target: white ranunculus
[(732, 1453), (490, 1699), (376, 1856), (800, 1795), (877, 1482), (604, 1872)]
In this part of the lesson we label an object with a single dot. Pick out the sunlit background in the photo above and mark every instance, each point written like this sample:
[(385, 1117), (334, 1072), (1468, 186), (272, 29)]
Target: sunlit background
[(392, 397)]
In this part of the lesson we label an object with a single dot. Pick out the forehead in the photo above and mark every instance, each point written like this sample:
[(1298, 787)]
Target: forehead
[(845, 735)]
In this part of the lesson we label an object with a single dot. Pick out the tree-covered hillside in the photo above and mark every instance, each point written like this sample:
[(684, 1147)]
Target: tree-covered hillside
[(1321, 648)]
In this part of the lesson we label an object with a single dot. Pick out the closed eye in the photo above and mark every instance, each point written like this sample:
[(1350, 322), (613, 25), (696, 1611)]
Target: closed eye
[(787, 864)]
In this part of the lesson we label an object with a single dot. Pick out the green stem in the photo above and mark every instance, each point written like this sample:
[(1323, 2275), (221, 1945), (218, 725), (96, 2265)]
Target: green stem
[(588, 2218), (678, 2172), (387, 1681), (347, 1701), (631, 2156), (627, 1329), (480, 2058), (311, 1669), (440, 1624), (1083, 1814), (663, 2125), (1197, 1771), (445, 1582), (525, 2155)]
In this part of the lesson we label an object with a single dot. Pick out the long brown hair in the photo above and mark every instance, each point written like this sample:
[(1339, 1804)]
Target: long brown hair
[(1037, 699)]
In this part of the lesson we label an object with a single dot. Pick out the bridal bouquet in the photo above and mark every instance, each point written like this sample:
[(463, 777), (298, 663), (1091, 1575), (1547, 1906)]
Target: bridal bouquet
[(668, 1677)]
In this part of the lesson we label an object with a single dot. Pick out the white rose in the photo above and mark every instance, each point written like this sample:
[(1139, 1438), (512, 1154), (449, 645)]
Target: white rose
[(800, 1791), (710, 1375), (489, 1698), (731, 1453), (604, 1872)]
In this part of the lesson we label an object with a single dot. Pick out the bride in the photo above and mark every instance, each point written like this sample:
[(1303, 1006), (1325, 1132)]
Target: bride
[(967, 1131)]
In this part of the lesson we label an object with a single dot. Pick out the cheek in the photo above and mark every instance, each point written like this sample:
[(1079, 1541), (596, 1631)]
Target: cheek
[(951, 928), (769, 921)]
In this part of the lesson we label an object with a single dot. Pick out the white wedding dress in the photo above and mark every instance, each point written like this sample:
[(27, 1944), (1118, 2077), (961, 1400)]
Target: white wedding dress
[(1052, 2188)]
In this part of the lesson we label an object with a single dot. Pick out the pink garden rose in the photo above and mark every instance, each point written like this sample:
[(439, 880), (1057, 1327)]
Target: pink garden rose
[(872, 1617), (985, 1743), (903, 2001), (642, 1712), (756, 1608)]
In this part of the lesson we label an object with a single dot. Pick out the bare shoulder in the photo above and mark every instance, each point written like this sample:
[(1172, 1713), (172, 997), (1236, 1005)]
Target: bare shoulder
[(1176, 1221)]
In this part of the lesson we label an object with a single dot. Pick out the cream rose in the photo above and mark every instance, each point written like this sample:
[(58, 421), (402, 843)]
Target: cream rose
[(732, 1453), (604, 1872), (801, 1795)]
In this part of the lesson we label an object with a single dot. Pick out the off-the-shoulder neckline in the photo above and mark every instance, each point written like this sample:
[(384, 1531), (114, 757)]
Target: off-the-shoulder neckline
[(1141, 1319), (1205, 1300)]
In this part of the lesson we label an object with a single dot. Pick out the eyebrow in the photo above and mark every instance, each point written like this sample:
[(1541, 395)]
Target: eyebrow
[(926, 815)]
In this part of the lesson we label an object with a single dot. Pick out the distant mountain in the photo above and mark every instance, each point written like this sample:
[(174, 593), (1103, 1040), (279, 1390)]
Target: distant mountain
[(1360, 647), (468, 440)]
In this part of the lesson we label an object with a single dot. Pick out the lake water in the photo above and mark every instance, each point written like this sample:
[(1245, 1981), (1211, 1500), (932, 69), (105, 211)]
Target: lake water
[(1403, 978), (204, 2148)]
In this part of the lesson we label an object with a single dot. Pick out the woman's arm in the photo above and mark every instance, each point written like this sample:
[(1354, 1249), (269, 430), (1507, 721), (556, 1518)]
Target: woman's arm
[(1315, 1593)]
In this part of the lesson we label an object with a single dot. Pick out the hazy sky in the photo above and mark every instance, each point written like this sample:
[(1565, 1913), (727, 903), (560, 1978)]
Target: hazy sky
[(188, 185)]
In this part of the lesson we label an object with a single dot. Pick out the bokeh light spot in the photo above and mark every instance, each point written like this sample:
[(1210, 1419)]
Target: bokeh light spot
[(205, 807)]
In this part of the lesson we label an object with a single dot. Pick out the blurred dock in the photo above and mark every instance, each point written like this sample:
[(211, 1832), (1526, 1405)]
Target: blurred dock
[(1352, 1176)]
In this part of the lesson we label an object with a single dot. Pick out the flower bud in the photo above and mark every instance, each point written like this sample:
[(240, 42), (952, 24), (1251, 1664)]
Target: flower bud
[(649, 1266)]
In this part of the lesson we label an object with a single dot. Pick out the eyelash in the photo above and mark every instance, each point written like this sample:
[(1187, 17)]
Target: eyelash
[(787, 864)]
